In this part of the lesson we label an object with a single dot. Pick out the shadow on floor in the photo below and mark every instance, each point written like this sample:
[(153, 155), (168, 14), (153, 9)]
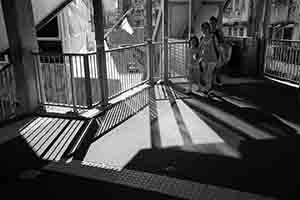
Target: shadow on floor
[(270, 96), (16, 157), (267, 167), (256, 116)]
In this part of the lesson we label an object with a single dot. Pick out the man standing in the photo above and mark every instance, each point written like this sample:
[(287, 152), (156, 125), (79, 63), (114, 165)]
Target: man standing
[(219, 36)]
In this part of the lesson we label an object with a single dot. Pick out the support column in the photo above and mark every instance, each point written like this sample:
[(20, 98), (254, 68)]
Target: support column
[(148, 38), (165, 33), (148, 19), (190, 19), (263, 31), (101, 59), (251, 19), (20, 27)]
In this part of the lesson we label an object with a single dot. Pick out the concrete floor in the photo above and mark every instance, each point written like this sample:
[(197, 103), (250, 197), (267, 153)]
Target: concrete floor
[(225, 141)]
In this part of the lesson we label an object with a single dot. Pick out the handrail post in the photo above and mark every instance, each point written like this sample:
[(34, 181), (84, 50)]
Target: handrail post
[(40, 81), (150, 61), (165, 40), (73, 91), (87, 80), (101, 56)]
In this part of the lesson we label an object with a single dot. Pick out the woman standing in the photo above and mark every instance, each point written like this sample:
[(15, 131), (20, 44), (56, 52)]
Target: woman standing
[(208, 57)]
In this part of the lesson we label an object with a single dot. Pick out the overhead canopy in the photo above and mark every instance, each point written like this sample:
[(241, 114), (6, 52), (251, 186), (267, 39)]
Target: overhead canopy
[(41, 10)]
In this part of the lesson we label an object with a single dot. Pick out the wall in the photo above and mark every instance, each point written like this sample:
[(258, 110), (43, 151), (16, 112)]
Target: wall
[(178, 19), (77, 35), (203, 15), (279, 14), (41, 9), (239, 15)]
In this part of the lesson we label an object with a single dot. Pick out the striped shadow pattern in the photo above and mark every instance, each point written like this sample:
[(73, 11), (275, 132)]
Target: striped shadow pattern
[(121, 111), (49, 137)]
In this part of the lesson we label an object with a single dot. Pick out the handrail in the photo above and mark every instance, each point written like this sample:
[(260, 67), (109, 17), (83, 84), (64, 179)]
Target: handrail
[(127, 47), (110, 50), (62, 54), (87, 54), (276, 40), (157, 43), (178, 42)]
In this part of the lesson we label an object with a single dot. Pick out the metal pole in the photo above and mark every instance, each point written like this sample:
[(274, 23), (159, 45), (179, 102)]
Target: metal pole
[(165, 40), (101, 59), (148, 38), (87, 81), (190, 19)]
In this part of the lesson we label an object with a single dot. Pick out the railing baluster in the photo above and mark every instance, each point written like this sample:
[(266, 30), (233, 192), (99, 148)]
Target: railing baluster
[(73, 91), (7, 93), (87, 79)]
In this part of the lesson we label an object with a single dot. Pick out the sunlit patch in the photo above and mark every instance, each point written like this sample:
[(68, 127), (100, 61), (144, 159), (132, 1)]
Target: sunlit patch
[(50, 137), (101, 165), (200, 132), (123, 142), (62, 110), (169, 131)]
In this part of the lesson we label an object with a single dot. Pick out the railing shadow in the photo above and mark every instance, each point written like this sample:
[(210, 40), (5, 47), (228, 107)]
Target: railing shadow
[(112, 117), (41, 140)]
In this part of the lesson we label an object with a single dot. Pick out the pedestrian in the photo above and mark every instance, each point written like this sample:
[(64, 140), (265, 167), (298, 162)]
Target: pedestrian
[(208, 57), (220, 48), (193, 62)]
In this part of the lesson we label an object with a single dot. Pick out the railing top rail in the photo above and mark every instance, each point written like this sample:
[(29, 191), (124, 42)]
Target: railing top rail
[(171, 42), (110, 50), (240, 37), (177, 41), (127, 47), (87, 54), (295, 41), (5, 67), (62, 54), (157, 42)]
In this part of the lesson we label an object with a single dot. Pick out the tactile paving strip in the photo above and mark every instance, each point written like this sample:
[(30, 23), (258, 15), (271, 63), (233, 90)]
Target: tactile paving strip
[(164, 185)]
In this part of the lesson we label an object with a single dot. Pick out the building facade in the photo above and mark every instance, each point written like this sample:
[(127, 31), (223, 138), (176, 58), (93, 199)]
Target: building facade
[(285, 19), (236, 18)]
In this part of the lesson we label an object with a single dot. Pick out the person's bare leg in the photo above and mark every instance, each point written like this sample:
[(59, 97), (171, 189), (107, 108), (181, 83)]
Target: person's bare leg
[(210, 75)]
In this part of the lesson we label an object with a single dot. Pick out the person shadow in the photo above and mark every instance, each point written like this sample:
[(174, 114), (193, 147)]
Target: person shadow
[(265, 167)]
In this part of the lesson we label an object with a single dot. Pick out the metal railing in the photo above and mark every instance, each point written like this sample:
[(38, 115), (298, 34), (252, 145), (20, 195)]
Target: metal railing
[(177, 55), (73, 80), (282, 60), (68, 80), (7, 93), (126, 68)]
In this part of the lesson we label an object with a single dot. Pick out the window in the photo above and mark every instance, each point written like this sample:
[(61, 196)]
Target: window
[(230, 31), (288, 33), (237, 5), (241, 32), (235, 32), (50, 30)]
